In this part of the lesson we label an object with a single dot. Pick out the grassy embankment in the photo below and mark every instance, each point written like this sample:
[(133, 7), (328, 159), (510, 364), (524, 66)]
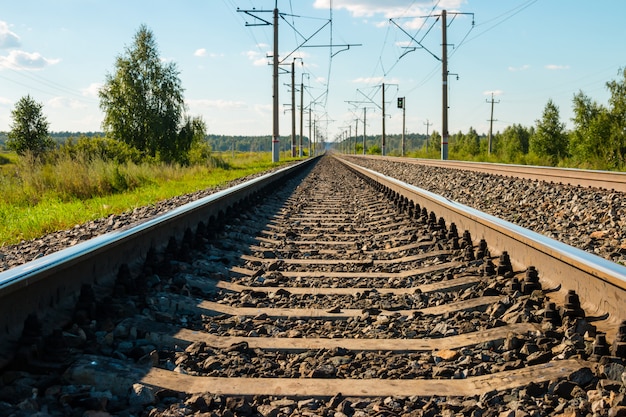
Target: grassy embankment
[(42, 198)]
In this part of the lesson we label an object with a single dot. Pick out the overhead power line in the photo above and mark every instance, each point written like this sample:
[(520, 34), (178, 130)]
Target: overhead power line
[(444, 68), (301, 41)]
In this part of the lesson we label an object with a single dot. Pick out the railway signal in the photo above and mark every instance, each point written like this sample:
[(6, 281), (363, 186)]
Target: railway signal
[(401, 105)]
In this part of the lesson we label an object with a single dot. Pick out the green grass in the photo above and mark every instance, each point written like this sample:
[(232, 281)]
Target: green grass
[(37, 203)]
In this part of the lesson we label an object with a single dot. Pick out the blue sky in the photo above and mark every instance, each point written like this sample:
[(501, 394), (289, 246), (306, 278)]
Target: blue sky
[(524, 51)]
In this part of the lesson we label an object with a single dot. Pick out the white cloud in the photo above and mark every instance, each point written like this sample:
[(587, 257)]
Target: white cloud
[(5, 101), (260, 62), (257, 58), (522, 68), (65, 103), (263, 109), (375, 80), (554, 67), (92, 90), (202, 52), (8, 39), (388, 8), (368, 80), (494, 92), (216, 104), (26, 60)]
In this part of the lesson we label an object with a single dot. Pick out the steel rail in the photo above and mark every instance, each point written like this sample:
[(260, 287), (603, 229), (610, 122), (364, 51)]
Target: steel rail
[(52, 284), (610, 180), (600, 284)]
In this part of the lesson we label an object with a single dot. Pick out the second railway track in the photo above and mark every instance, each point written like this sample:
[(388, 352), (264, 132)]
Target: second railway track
[(332, 296)]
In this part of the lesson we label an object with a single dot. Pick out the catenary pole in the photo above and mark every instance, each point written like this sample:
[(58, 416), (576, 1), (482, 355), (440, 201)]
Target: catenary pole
[(356, 133), (310, 138), (293, 108), (314, 137), (444, 89), (403, 124), (275, 131), (383, 137), (364, 129), (301, 118), (350, 140)]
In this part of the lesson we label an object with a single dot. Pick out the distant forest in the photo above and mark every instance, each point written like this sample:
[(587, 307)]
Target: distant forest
[(225, 143), (58, 137), (222, 143)]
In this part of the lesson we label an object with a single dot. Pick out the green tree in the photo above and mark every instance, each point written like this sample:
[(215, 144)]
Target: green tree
[(91, 148), (465, 145), (513, 142), (592, 126), (456, 143), (471, 142), (599, 135), (143, 102), (550, 138), (617, 110), (434, 143), (192, 132), (374, 150), (29, 130)]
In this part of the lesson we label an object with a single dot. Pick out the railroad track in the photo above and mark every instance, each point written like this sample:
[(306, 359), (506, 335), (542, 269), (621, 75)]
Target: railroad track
[(342, 291), (610, 180)]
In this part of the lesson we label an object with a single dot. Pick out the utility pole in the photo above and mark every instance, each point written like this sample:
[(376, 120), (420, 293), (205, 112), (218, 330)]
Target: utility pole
[(293, 108), (491, 120), (356, 133), (382, 108), (310, 138), (350, 140), (275, 130), (427, 136), (341, 142), (314, 137), (383, 137), (301, 118), (444, 91), (275, 62), (402, 105), (444, 73), (258, 21), (364, 129)]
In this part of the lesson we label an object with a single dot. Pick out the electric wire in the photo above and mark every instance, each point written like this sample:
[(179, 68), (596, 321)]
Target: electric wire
[(250, 32), (426, 17), (51, 88), (503, 18), (462, 40), (28, 86)]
